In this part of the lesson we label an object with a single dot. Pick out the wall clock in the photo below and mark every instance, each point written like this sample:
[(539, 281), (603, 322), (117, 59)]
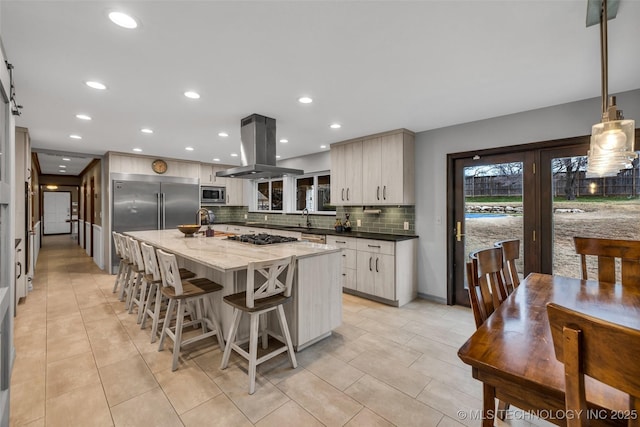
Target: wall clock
[(159, 166)]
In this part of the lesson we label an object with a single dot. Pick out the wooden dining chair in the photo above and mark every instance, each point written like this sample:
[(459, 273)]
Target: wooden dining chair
[(605, 351), (510, 253), (607, 251), (487, 290)]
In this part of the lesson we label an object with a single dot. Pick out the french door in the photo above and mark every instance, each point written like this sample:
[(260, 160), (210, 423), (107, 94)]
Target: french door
[(535, 193)]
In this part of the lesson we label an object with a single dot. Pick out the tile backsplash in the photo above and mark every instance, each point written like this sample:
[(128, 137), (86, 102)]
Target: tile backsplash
[(390, 220)]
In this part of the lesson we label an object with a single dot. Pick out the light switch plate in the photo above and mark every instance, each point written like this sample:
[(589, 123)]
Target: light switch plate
[(265, 218), (406, 225), (359, 223), (245, 216)]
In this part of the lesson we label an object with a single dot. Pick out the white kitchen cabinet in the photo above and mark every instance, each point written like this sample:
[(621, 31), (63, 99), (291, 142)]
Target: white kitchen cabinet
[(208, 174), (346, 174), (349, 264), (376, 268), (234, 192), (376, 170), (388, 167)]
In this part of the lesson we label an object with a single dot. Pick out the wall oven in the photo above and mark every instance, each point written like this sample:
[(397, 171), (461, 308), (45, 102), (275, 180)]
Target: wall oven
[(212, 195)]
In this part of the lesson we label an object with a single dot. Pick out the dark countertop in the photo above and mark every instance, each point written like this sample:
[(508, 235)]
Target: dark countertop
[(329, 232), (17, 243)]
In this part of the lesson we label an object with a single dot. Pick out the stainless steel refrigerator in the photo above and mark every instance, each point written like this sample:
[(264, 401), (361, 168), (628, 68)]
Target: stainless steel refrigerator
[(143, 202)]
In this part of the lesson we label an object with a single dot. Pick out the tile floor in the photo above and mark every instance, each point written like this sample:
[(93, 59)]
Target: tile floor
[(83, 361)]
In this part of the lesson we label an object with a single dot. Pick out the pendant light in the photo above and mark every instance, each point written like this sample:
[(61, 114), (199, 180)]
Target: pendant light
[(611, 147)]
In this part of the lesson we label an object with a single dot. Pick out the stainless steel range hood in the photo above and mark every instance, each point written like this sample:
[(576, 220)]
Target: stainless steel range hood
[(258, 151)]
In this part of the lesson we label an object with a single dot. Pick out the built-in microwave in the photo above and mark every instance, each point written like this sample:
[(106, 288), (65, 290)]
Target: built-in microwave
[(212, 195)]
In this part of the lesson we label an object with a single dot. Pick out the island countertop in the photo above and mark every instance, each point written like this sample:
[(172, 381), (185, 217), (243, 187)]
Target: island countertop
[(223, 254)]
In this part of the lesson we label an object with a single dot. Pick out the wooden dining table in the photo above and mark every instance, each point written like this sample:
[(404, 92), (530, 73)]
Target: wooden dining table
[(512, 352)]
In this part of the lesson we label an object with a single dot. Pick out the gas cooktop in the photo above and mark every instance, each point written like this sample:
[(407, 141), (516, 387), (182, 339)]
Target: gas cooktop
[(262, 239)]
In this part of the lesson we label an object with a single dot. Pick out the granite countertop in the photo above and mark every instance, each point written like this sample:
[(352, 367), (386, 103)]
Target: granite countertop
[(223, 254), (329, 232)]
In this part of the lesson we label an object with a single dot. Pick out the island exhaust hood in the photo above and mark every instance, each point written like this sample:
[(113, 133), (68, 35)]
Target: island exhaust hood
[(258, 151)]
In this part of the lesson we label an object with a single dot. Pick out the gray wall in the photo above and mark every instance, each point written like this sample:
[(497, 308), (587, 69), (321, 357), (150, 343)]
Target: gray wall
[(432, 147)]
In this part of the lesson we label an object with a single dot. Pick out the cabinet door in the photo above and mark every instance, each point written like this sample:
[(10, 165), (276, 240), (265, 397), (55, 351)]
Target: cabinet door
[(365, 273), (371, 168), (218, 180), (353, 173), (349, 278), (337, 154), (206, 173), (235, 192), (384, 284), (392, 169)]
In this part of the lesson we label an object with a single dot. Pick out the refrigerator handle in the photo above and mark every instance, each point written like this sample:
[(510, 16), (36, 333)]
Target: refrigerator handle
[(159, 219), (164, 219)]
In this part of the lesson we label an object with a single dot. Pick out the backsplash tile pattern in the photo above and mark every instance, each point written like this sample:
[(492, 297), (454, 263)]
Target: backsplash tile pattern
[(390, 220)]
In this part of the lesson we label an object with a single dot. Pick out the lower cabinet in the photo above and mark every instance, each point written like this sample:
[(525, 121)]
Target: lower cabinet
[(379, 269)]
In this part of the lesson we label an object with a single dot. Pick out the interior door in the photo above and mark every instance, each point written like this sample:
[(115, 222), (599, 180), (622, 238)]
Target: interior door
[(492, 196), (57, 212)]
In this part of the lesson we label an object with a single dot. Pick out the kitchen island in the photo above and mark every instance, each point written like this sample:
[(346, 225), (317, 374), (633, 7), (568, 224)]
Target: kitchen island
[(316, 306)]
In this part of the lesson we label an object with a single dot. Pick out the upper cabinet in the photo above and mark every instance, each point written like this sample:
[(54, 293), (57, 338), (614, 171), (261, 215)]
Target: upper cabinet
[(376, 170), (208, 174), (346, 174), (235, 191)]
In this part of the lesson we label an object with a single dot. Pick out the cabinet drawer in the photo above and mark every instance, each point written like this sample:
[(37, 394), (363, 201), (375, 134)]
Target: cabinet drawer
[(342, 242), (376, 246), (349, 258)]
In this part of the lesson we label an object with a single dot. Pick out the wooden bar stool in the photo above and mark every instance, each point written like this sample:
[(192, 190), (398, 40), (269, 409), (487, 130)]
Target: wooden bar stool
[(139, 291), (122, 265), (154, 302), (137, 271), (128, 262), (180, 293), (265, 292)]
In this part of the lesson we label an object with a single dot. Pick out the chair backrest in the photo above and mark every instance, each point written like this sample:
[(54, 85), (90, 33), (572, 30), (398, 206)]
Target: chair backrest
[(489, 270), (116, 243), (169, 271), (600, 349), (479, 294), (607, 250), (264, 278), (135, 254), (124, 247), (150, 261), (510, 253)]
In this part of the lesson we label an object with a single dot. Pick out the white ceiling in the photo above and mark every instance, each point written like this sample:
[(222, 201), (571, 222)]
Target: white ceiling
[(55, 163), (371, 66)]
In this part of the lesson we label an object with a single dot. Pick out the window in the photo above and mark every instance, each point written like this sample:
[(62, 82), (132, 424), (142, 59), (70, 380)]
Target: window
[(314, 193), (269, 195)]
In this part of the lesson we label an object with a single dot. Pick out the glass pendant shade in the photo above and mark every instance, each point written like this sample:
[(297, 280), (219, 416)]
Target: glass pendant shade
[(611, 148)]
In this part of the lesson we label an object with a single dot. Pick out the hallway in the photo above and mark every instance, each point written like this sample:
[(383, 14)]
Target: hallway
[(82, 360)]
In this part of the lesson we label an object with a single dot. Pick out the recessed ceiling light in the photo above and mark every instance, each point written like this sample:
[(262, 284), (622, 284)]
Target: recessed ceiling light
[(62, 166), (66, 159), (284, 141), (234, 154), (216, 159), (277, 157), (189, 148), (305, 100), (323, 146), (75, 136), (223, 134), (137, 150), (123, 20), (335, 126), (96, 85), (62, 171), (83, 117), (192, 95), (146, 130)]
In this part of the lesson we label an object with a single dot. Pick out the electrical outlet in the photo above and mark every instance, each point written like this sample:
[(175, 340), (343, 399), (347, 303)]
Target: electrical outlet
[(406, 225), (359, 223), (266, 218), (246, 216)]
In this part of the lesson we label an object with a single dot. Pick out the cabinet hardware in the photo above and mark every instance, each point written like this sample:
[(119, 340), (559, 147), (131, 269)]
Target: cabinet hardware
[(343, 194), (338, 241), (384, 192), (344, 274), (374, 246), (19, 274), (378, 193), (343, 255), (370, 264), (227, 198), (347, 194), (377, 265), (459, 231)]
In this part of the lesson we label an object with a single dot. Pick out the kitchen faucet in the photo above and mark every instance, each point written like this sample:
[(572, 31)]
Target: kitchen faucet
[(199, 216), (305, 214)]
